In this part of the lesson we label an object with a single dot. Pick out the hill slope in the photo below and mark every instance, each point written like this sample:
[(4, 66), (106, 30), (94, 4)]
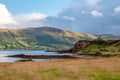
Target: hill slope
[(97, 45), (40, 38), (110, 36)]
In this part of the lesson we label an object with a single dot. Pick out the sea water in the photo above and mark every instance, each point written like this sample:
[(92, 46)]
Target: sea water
[(4, 53)]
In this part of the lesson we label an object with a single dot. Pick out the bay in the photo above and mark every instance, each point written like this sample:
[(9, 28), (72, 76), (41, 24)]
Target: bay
[(4, 53)]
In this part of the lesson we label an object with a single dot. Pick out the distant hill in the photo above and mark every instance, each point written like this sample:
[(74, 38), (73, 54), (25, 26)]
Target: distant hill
[(40, 38), (110, 36)]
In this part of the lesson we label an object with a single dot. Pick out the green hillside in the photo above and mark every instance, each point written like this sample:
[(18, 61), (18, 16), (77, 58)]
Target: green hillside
[(40, 38), (97, 45)]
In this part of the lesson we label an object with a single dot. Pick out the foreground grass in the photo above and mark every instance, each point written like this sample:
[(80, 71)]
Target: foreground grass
[(73, 69)]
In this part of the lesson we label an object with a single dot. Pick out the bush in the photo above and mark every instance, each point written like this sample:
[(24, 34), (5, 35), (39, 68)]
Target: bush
[(98, 53)]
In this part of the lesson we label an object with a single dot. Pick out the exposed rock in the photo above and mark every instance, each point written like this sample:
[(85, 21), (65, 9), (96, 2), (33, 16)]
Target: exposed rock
[(44, 56)]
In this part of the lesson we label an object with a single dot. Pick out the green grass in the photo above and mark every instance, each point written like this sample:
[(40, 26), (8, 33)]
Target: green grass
[(99, 45), (101, 74), (53, 73), (61, 74)]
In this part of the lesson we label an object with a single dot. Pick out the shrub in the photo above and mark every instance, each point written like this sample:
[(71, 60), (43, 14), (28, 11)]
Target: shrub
[(98, 53)]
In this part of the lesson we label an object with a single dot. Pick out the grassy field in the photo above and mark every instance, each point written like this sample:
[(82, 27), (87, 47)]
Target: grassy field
[(72, 69)]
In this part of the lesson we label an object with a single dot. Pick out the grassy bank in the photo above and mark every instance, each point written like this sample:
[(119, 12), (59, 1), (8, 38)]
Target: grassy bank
[(80, 69)]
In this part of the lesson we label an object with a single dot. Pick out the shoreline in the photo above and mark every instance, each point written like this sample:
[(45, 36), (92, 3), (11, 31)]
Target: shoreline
[(43, 56)]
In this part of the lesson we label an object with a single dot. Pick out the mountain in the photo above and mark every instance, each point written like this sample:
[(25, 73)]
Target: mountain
[(110, 36), (40, 38)]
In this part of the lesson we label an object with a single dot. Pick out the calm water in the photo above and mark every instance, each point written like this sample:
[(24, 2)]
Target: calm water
[(4, 53)]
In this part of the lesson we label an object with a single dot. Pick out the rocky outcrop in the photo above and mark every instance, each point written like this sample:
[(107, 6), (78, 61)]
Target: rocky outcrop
[(43, 56), (81, 45)]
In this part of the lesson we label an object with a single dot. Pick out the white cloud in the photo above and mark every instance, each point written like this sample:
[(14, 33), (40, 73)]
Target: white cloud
[(96, 13), (7, 20), (93, 2), (5, 16), (69, 18), (117, 9), (29, 16), (30, 19)]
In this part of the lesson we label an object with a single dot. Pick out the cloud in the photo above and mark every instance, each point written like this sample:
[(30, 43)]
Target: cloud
[(29, 20), (5, 16), (95, 13), (29, 16), (91, 16), (117, 9), (88, 16), (69, 18), (7, 20)]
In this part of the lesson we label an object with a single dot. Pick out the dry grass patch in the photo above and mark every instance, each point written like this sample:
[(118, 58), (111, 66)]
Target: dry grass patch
[(72, 69)]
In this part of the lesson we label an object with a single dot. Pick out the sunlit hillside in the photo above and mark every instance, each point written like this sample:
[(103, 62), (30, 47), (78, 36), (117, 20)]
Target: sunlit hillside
[(40, 38)]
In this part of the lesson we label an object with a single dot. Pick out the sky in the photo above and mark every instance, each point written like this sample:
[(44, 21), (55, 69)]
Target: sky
[(87, 16)]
